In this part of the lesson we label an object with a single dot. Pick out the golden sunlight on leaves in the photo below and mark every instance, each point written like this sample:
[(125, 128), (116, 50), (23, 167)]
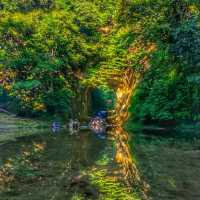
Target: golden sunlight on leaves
[(39, 146), (119, 157), (133, 50), (39, 106), (6, 78), (105, 30), (151, 47), (145, 62), (139, 46)]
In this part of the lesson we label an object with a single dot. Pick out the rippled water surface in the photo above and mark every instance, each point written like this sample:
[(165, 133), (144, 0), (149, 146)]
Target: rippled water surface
[(44, 165), (45, 162)]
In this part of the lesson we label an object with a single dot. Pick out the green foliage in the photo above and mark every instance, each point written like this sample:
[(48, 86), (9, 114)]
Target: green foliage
[(186, 42), (53, 47), (26, 5), (45, 49), (43, 58), (165, 92), (103, 99)]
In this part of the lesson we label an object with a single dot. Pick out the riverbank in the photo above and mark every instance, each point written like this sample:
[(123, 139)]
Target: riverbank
[(180, 128), (12, 127)]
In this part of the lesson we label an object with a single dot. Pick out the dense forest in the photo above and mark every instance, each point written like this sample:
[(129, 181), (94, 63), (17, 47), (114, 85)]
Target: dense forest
[(100, 99), (51, 51)]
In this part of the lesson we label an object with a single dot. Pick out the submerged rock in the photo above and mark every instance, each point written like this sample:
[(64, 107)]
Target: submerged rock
[(79, 179), (82, 184)]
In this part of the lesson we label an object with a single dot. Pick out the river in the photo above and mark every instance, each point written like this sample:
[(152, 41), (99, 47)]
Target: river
[(44, 166), (83, 166)]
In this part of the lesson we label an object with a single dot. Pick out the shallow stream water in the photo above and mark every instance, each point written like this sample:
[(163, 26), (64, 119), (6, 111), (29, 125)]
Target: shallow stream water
[(52, 158), (43, 165)]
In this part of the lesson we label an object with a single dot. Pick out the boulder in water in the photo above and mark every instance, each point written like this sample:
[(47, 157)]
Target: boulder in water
[(82, 183)]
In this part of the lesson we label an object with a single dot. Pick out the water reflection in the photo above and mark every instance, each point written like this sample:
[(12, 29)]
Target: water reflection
[(45, 163), (123, 156), (117, 117)]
